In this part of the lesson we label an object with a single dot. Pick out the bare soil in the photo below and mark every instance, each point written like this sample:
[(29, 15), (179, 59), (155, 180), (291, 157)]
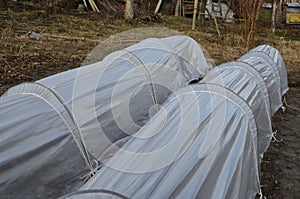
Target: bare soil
[(69, 37), (281, 165)]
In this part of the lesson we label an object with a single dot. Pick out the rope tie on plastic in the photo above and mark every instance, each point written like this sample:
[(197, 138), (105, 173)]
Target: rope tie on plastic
[(274, 139), (92, 172), (289, 106), (283, 109), (261, 195)]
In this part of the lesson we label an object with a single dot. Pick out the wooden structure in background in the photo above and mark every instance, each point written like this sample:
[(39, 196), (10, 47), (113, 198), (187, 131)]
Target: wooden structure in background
[(188, 7), (3, 4), (292, 13)]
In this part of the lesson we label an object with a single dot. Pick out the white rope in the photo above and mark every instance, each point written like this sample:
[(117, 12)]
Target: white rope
[(283, 108), (274, 139), (261, 195), (92, 172), (289, 106)]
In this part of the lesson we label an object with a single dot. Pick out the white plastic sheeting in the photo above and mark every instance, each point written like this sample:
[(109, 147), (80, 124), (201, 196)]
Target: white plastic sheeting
[(260, 62), (193, 147), (191, 55), (202, 143), (52, 131), (247, 83), (125, 86), (279, 64), (39, 156), (270, 64)]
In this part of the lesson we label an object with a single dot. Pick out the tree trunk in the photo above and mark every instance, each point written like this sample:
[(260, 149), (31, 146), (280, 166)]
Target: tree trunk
[(274, 16), (129, 13), (254, 15), (258, 9), (279, 13), (202, 11), (3, 4), (178, 8)]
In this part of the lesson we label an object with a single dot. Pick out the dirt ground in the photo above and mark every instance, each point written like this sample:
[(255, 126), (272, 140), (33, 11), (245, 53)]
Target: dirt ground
[(281, 165), (69, 37)]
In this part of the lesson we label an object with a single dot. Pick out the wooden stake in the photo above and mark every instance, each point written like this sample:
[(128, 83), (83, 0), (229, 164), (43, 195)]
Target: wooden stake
[(195, 14), (157, 6), (216, 23), (178, 8), (85, 5)]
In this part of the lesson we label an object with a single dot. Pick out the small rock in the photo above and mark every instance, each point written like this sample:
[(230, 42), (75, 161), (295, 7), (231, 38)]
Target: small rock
[(33, 35)]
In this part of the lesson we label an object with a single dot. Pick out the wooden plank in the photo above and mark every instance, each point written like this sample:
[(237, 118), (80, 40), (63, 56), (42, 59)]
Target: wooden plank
[(195, 14)]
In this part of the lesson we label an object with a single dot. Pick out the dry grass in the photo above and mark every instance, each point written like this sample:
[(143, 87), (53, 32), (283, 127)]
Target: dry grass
[(69, 38), (290, 50)]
